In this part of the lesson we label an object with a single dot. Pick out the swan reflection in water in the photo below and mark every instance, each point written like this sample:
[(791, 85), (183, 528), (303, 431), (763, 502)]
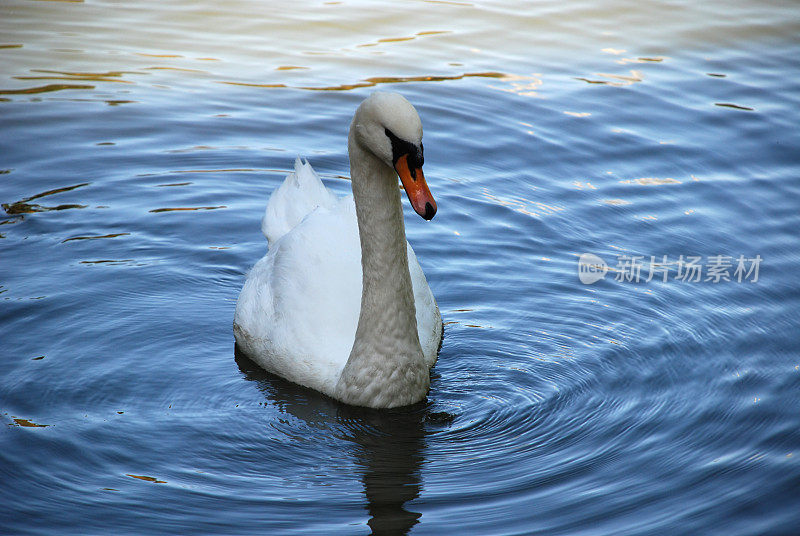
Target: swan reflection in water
[(389, 444)]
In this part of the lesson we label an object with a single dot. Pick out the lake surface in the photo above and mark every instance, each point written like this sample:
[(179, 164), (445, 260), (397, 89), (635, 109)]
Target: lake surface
[(139, 143)]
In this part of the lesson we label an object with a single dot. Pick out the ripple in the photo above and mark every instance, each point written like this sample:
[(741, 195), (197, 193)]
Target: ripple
[(374, 81), (555, 407), (24, 206), (616, 80), (111, 235), (107, 76), (25, 423), (401, 39), (180, 209), (44, 89), (147, 478), (734, 106), (115, 262)]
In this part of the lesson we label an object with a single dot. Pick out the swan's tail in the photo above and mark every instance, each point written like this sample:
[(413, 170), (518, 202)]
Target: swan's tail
[(301, 192)]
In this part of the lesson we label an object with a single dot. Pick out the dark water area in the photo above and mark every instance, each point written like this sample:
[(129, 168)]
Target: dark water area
[(139, 144)]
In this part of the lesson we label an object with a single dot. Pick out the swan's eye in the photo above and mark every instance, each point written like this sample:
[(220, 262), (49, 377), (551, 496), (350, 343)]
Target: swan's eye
[(401, 147), (419, 154)]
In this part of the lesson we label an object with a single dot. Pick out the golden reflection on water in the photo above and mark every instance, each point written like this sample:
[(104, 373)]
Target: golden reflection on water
[(640, 59), (178, 69), (657, 59), (95, 237), (182, 209), (43, 89), (520, 205), (526, 85), (245, 39), (147, 478), (159, 55), (25, 423), (449, 2), (614, 79), (24, 206), (108, 76), (374, 81), (180, 61), (401, 39)]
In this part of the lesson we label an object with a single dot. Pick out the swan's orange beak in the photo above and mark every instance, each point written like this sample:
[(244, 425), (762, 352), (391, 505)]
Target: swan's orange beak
[(417, 189)]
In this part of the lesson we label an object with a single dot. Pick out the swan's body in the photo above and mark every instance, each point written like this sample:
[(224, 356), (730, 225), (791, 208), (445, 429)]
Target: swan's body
[(339, 303)]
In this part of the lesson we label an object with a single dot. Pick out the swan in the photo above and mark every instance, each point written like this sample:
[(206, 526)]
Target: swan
[(339, 302)]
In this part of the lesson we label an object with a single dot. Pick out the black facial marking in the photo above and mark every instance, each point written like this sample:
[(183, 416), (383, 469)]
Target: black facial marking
[(401, 147)]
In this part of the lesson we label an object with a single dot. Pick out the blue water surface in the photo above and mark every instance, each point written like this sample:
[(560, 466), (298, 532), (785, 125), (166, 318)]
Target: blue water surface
[(138, 146)]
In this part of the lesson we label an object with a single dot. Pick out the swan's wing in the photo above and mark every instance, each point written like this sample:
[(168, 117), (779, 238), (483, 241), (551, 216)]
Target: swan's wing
[(301, 192), (298, 311), (429, 320)]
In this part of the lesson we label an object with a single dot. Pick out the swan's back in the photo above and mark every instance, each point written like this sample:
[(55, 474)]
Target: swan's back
[(298, 310)]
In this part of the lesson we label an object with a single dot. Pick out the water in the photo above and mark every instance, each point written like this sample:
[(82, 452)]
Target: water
[(551, 130)]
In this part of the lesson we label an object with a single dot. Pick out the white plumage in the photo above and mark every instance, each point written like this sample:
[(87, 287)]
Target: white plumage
[(300, 307)]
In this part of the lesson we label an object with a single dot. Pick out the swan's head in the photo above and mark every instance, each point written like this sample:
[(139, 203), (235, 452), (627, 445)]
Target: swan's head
[(388, 126)]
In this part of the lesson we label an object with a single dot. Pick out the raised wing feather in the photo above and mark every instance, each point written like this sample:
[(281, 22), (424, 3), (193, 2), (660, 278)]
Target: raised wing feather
[(301, 192)]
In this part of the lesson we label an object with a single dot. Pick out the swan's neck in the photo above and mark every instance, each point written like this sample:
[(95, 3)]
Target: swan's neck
[(386, 366)]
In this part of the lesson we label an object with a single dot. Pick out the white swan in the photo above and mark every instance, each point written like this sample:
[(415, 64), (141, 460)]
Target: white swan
[(339, 303)]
